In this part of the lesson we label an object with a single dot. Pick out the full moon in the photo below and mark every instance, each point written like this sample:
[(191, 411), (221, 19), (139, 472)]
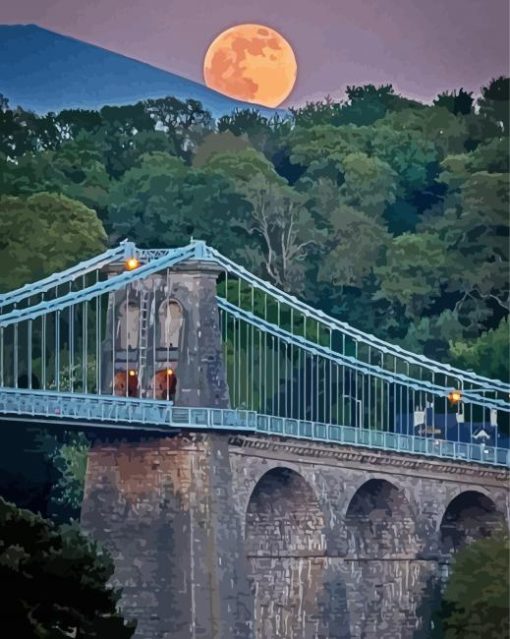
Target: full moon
[(253, 63)]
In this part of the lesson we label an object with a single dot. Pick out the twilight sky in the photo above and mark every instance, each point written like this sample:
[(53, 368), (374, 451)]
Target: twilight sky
[(422, 47)]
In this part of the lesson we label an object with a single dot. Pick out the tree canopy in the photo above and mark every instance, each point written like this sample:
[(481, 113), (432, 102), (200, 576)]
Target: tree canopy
[(390, 213), (54, 581), (476, 602)]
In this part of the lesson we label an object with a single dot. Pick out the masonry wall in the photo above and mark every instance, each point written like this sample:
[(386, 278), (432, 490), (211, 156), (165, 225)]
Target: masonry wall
[(361, 571), (230, 537), (162, 507)]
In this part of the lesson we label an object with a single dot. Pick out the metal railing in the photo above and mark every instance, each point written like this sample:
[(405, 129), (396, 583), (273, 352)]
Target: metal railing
[(120, 412)]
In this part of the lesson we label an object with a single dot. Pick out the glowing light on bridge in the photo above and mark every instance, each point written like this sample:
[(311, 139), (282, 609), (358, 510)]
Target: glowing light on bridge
[(455, 396), (132, 263)]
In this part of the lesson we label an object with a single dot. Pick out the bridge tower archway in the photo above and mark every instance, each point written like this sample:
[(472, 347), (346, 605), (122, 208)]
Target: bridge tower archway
[(286, 549)]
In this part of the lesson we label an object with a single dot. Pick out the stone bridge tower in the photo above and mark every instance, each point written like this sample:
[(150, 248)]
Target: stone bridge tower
[(162, 504), (163, 338)]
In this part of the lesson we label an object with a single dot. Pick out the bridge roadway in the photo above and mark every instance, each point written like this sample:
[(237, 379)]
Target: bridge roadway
[(134, 414)]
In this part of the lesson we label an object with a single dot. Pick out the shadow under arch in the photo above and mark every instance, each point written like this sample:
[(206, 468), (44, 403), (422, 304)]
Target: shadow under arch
[(286, 547), (379, 521), (383, 546), (165, 384), (469, 516)]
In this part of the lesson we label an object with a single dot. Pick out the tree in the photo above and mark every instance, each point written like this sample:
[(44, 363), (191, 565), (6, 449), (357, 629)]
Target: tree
[(162, 202), (44, 234), (277, 217), (414, 272), (219, 143), (183, 122), (474, 229), (340, 265), (245, 121), (78, 172), (15, 137), (54, 581), (476, 599), (244, 165), (65, 454), (458, 103), (488, 354), (495, 103), (121, 125), (433, 127), (369, 184), (368, 103), (326, 111), (280, 219)]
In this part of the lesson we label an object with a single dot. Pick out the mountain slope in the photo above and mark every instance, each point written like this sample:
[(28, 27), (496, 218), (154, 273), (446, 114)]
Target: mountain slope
[(44, 71)]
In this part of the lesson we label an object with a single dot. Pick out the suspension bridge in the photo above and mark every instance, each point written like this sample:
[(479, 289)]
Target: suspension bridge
[(184, 338)]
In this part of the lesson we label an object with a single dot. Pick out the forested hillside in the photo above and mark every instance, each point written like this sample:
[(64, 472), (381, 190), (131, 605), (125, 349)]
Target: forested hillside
[(387, 213)]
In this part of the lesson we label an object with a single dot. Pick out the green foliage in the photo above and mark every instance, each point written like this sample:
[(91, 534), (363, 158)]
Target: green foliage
[(244, 165), (368, 183), (54, 581), (414, 272), (340, 265), (391, 213), (476, 599), (488, 354), (219, 143), (43, 234), (162, 202), (495, 103), (457, 103), (67, 456)]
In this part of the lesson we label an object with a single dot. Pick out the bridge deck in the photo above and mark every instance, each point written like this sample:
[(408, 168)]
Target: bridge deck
[(135, 414)]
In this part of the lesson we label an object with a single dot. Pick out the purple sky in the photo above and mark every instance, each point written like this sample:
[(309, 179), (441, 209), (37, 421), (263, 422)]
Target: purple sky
[(422, 47)]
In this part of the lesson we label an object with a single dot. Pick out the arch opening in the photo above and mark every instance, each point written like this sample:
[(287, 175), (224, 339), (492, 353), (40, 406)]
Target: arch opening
[(380, 522), (128, 325), (170, 321), (125, 384), (284, 516), (285, 544), (469, 516), (165, 384)]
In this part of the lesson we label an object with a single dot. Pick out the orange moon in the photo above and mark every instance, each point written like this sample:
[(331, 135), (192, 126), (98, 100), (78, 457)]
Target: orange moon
[(253, 63)]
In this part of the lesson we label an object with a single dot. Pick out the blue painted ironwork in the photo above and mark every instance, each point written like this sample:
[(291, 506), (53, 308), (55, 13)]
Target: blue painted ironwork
[(385, 347), (298, 377), (353, 363), (123, 251), (106, 412), (91, 292)]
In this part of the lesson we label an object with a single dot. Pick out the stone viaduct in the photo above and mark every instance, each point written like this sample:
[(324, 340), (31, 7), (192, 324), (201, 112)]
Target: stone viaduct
[(224, 536)]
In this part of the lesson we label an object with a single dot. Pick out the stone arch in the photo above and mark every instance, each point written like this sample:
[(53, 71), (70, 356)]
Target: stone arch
[(128, 325), (285, 545), (165, 384), (469, 516), (382, 544), (379, 521), (170, 322), (126, 384)]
